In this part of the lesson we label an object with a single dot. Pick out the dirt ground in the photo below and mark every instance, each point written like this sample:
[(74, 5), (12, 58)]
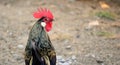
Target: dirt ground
[(78, 35)]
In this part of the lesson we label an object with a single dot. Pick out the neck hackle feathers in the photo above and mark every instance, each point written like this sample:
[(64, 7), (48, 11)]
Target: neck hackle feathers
[(43, 12)]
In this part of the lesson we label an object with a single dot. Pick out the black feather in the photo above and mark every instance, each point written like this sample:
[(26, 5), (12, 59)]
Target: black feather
[(39, 49)]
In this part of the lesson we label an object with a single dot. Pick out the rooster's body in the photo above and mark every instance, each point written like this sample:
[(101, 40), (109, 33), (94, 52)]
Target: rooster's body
[(39, 49)]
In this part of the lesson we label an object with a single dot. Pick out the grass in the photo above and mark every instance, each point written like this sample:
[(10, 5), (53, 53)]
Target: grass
[(105, 34), (106, 15)]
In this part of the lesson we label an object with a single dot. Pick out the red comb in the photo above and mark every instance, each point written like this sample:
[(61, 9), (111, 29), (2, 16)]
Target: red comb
[(43, 13)]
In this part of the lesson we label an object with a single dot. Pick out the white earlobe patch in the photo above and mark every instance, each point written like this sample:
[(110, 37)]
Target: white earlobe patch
[(43, 24)]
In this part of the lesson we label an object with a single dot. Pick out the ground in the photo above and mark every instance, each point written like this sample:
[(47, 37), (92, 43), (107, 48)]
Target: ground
[(79, 35)]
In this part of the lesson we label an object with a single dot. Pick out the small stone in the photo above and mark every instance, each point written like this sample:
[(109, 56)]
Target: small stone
[(77, 36), (11, 52), (20, 46), (73, 57), (8, 5), (93, 55), (59, 57), (15, 55), (99, 61), (10, 33), (62, 60), (68, 47), (92, 24), (64, 63), (70, 62), (66, 41)]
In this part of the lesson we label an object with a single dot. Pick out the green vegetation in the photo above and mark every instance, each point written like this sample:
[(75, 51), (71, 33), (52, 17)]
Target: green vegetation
[(106, 15), (104, 33)]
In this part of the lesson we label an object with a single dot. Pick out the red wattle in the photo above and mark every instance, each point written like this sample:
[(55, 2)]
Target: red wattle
[(48, 26)]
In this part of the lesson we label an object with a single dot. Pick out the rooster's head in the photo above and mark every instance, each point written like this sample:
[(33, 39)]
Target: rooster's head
[(45, 16)]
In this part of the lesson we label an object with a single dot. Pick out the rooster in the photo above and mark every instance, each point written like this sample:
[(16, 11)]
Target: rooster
[(39, 49)]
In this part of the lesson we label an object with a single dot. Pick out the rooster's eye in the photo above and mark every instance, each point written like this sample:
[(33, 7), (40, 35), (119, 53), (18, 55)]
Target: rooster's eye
[(46, 19)]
